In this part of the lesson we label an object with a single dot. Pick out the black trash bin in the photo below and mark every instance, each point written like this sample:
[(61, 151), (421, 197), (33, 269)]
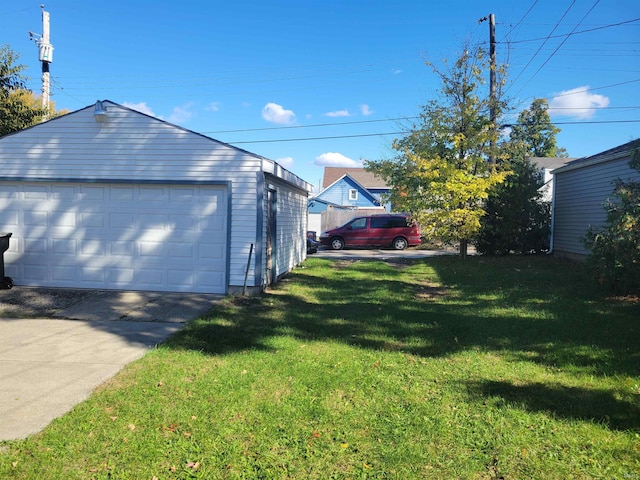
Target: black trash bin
[(5, 282)]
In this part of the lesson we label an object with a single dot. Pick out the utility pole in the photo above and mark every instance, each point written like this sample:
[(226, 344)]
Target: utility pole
[(45, 55), (492, 78)]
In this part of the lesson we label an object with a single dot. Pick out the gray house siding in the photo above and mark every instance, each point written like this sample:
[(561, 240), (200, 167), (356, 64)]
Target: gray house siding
[(580, 191)]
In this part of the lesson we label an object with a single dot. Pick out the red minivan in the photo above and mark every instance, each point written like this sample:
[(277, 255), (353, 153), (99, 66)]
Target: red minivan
[(397, 231)]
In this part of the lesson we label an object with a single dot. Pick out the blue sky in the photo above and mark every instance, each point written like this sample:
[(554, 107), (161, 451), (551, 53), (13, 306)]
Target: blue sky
[(311, 83)]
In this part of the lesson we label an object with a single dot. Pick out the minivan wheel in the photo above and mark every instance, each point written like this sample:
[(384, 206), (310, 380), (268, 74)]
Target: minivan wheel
[(337, 243), (400, 243)]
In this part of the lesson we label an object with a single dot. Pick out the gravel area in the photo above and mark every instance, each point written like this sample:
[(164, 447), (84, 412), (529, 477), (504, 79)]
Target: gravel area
[(39, 302)]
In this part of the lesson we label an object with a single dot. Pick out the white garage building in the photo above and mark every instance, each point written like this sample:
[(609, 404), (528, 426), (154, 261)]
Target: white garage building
[(107, 197)]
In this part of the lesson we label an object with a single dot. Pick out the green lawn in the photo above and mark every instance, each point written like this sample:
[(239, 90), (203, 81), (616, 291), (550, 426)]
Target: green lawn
[(510, 368)]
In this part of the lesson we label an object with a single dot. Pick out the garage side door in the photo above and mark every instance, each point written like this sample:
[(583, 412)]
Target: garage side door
[(116, 236)]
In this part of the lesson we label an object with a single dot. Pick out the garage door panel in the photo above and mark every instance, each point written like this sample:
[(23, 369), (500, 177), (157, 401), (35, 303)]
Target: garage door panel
[(92, 249), (121, 220), (62, 219), (64, 273), (122, 194), (180, 250), (35, 192), (211, 251), (63, 192), (34, 273), (34, 246), (64, 246), (124, 249), (35, 218), (116, 236), (93, 276), (91, 193)]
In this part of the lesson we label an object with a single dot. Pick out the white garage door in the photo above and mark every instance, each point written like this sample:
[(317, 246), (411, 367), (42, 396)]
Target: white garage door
[(116, 236)]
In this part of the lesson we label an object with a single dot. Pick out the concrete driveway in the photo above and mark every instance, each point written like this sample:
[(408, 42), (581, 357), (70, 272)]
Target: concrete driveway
[(48, 365)]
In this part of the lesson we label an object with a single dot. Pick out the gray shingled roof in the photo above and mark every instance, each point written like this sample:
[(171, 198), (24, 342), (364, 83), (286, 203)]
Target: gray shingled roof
[(550, 162), (360, 175)]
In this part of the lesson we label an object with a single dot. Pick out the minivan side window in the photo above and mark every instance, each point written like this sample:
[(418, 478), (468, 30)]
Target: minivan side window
[(358, 224), (379, 222)]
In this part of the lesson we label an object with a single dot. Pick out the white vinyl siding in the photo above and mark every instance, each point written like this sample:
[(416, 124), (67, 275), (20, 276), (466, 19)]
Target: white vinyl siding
[(115, 236), (134, 148)]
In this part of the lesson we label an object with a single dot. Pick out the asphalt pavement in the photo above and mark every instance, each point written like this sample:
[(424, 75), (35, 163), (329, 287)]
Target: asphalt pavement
[(48, 365)]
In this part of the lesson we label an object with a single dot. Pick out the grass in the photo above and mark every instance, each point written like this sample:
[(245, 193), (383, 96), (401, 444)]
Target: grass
[(486, 368)]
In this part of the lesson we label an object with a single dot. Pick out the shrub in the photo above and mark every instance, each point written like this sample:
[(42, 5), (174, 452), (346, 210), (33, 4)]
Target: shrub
[(615, 248)]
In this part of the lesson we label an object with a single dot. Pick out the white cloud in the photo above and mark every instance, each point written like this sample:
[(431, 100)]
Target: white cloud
[(274, 113), (396, 71), (577, 103), (141, 107), (365, 110), (286, 162), (338, 113), (181, 114), (334, 159), (213, 107)]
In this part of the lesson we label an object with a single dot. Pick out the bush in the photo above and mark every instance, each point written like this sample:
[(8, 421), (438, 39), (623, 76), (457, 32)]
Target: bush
[(615, 249)]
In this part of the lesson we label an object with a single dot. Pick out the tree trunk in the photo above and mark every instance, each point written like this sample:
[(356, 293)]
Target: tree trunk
[(463, 248)]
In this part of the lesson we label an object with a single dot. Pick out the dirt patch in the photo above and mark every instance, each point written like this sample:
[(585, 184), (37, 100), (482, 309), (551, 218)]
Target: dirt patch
[(34, 302), (430, 291)]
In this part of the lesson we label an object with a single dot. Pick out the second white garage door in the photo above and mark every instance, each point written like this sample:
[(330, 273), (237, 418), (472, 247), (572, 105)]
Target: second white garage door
[(116, 236)]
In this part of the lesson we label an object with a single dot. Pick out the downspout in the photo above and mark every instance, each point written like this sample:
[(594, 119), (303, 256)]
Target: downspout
[(553, 214)]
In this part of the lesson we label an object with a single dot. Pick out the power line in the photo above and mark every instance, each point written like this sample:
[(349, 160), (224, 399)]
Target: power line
[(337, 137), (313, 125), (522, 18), (543, 43), (559, 46), (575, 33)]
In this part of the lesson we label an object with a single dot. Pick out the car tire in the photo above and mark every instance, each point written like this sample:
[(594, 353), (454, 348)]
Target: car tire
[(400, 243), (336, 243)]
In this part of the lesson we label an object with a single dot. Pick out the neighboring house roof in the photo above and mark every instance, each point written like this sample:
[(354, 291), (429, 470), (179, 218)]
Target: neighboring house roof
[(550, 163), (312, 200), (363, 177), (605, 156)]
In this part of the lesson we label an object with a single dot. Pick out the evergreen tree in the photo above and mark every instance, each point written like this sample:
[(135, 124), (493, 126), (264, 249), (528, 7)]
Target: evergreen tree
[(517, 218)]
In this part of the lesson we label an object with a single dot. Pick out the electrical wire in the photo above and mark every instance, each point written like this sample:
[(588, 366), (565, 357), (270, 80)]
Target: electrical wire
[(521, 19), (558, 47), (337, 137), (543, 44), (634, 20)]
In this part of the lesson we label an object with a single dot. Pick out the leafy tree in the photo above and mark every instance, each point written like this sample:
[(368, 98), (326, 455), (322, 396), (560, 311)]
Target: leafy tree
[(442, 175), (535, 133), (17, 107), (517, 219), (615, 249)]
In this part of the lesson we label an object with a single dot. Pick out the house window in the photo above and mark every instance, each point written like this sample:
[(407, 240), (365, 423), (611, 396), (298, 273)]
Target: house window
[(353, 194)]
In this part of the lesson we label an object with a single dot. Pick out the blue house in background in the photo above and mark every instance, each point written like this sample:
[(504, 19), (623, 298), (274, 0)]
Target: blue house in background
[(346, 192), (375, 186)]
